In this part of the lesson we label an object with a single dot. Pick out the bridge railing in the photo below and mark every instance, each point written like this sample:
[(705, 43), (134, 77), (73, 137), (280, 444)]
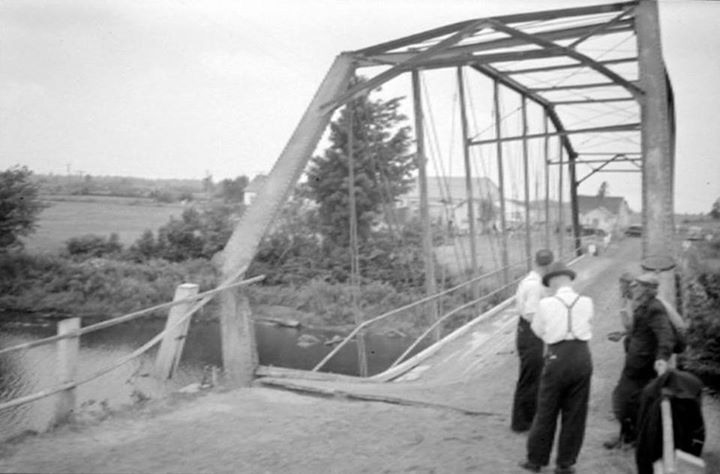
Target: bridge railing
[(186, 303), (440, 320), (423, 301)]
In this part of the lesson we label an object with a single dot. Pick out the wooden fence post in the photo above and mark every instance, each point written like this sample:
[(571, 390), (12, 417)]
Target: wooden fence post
[(237, 335), (171, 347), (67, 352)]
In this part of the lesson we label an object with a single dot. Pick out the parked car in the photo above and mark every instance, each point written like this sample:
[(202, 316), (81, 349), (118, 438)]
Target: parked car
[(695, 233), (634, 231)]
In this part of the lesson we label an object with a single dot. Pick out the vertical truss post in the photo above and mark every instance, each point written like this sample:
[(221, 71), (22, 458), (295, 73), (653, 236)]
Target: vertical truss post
[(561, 210), (354, 255), (421, 160), (526, 182), (574, 207), (468, 184), (657, 172), (546, 158), (501, 182)]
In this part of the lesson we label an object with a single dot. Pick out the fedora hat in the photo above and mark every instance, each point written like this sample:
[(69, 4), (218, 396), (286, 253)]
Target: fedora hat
[(648, 279), (557, 269)]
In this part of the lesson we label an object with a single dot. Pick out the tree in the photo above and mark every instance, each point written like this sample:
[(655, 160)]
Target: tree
[(382, 166), (486, 213), (715, 211), (233, 190), (20, 206), (602, 191)]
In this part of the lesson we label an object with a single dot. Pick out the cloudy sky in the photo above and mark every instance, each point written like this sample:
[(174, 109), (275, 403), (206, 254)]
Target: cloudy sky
[(175, 89)]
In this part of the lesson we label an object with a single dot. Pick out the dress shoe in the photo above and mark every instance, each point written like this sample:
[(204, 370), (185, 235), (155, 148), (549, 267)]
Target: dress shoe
[(530, 466)]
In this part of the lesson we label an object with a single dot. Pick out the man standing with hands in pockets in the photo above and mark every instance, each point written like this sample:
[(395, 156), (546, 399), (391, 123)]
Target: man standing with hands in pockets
[(529, 347), (563, 323)]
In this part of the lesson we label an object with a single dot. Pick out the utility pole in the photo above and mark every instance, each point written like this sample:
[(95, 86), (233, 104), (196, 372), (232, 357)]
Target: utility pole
[(421, 159), (546, 157), (658, 163)]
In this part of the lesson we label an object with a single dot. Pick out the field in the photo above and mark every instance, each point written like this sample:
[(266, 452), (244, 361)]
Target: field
[(71, 216)]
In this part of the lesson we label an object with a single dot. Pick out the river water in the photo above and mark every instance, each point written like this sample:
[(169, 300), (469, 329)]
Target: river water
[(26, 372)]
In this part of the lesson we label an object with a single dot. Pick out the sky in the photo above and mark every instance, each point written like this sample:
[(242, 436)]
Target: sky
[(180, 89)]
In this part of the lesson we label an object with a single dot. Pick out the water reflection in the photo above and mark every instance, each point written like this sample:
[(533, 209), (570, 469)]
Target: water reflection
[(25, 372)]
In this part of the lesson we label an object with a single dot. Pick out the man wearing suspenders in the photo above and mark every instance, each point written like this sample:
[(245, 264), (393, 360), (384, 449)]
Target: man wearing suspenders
[(529, 347), (563, 323)]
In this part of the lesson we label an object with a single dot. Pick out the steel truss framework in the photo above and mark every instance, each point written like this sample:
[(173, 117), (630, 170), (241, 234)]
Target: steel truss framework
[(559, 60)]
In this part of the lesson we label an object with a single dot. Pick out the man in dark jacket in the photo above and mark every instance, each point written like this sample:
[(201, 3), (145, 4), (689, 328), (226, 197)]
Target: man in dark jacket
[(684, 391), (649, 346)]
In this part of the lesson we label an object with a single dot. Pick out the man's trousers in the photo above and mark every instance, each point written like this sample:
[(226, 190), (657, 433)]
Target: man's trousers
[(530, 352), (564, 390)]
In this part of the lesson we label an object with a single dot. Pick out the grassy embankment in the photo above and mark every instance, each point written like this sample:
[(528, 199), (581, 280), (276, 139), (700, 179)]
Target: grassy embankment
[(44, 281)]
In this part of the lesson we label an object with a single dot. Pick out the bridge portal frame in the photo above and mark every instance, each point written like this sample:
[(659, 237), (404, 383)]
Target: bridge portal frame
[(508, 39)]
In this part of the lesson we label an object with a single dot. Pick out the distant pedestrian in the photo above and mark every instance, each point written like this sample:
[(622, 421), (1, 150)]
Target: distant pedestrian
[(529, 347), (649, 344), (563, 323)]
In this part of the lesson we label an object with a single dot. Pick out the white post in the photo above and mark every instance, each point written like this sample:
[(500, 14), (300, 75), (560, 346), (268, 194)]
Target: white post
[(171, 347), (67, 351)]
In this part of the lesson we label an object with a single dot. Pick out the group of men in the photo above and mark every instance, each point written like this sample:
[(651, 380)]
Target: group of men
[(554, 328)]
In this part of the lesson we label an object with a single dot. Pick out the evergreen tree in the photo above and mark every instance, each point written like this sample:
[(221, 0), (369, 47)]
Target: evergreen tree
[(382, 164)]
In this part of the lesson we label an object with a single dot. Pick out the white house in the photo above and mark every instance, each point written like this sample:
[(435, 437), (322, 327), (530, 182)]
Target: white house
[(448, 200), (609, 213), (252, 189)]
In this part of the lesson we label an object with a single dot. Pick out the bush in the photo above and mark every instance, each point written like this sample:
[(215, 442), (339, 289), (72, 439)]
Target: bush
[(702, 294), (91, 245), (95, 286)]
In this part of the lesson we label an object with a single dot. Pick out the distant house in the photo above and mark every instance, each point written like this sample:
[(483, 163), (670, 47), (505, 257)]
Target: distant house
[(252, 189), (448, 200), (609, 213)]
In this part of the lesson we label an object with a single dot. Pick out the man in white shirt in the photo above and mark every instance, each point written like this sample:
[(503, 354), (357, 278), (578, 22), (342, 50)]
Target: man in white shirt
[(529, 347), (563, 323)]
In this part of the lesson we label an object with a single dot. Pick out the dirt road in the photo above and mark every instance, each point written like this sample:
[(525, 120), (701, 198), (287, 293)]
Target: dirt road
[(264, 430)]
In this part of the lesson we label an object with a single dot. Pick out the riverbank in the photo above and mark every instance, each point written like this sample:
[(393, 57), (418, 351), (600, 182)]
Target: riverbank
[(263, 430)]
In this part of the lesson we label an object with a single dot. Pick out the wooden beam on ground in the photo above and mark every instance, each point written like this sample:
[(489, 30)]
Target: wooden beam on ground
[(589, 62), (358, 395), (629, 127), (468, 184), (421, 161)]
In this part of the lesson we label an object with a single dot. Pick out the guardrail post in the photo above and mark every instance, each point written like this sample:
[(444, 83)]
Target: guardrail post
[(67, 355), (171, 347), (237, 335)]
